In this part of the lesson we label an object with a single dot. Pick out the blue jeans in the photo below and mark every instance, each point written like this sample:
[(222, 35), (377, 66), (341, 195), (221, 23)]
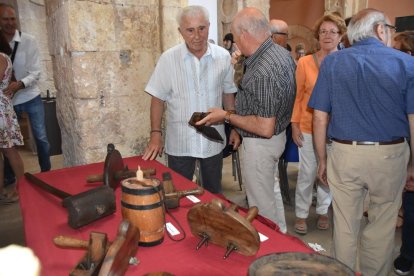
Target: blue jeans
[(36, 113), (407, 247)]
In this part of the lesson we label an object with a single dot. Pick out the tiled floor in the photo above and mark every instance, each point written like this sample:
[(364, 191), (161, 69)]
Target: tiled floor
[(11, 227)]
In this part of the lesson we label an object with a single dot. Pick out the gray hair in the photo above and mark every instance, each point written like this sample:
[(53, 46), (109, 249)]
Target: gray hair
[(257, 26), (278, 26), (192, 11), (363, 25)]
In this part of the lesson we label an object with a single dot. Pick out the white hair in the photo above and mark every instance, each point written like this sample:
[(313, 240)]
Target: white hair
[(363, 25), (192, 11)]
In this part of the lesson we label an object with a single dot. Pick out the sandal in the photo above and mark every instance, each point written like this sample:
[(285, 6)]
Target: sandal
[(323, 222), (6, 199), (300, 226)]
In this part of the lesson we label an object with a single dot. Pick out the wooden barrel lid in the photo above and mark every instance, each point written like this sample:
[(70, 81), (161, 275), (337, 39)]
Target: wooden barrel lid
[(298, 263)]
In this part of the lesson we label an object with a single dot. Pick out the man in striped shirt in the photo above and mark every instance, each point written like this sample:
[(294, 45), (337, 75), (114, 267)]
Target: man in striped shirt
[(263, 108)]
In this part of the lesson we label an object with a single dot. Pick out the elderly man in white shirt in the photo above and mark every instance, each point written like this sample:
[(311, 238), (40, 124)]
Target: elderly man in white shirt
[(191, 77)]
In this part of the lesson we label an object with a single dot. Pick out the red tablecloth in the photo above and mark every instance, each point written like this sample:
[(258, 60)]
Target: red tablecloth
[(44, 218)]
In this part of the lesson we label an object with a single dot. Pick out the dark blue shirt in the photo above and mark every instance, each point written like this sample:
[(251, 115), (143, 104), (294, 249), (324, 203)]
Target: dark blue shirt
[(368, 90)]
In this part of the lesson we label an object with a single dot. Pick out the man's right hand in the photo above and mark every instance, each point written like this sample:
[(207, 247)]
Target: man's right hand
[(155, 147), (235, 56), (322, 173), (297, 135)]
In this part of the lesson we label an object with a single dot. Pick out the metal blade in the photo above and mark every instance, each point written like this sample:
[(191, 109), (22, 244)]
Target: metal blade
[(211, 133)]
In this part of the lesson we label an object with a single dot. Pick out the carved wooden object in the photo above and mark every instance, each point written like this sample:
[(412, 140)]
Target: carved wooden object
[(225, 227)]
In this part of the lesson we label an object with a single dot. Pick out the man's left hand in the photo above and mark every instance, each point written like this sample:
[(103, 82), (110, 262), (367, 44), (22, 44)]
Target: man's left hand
[(234, 139)]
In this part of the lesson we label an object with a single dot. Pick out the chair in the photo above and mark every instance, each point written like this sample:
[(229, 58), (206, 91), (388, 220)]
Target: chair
[(227, 151), (289, 155), (236, 171)]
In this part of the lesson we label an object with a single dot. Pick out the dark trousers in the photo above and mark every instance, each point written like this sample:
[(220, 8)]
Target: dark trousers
[(210, 168), (407, 246)]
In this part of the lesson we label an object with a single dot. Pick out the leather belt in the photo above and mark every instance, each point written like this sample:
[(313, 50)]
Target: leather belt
[(368, 143)]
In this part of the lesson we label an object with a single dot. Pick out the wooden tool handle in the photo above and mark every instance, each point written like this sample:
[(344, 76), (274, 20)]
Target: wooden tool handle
[(181, 194), (120, 175), (69, 242), (252, 213), (40, 183), (94, 178)]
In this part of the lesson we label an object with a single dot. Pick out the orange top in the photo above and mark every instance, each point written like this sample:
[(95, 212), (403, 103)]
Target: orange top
[(306, 75)]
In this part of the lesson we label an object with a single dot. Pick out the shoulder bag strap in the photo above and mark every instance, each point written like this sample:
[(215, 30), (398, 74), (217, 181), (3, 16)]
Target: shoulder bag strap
[(316, 61), (16, 44)]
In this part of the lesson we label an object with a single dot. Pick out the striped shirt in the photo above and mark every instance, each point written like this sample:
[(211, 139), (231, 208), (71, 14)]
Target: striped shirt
[(189, 85), (268, 86)]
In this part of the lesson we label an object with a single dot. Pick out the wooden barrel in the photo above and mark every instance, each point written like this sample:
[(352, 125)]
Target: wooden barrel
[(142, 204), (297, 263)]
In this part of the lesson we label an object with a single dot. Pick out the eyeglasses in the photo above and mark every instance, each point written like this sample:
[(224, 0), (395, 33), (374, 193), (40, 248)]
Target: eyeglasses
[(391, 27), (326, 32), (280, 33)]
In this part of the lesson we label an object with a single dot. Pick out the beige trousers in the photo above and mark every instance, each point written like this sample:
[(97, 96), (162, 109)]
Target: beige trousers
[(352, 170), (259, 171)]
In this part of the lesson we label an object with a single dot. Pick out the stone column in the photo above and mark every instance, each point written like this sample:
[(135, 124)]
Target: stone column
[(168, 23), (103, 54), (227, 9), (32, 20), (346, 7), (263, 5)]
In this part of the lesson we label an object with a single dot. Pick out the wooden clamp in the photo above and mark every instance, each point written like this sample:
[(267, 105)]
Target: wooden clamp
[(225, 227)]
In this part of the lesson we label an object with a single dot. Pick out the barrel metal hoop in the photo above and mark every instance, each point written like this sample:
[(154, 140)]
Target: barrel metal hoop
[(142, 207), (149, 191)]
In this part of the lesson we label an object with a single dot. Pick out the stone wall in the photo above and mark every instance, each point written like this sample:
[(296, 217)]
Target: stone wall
[(103, 53), (227, 9), (32, 19)]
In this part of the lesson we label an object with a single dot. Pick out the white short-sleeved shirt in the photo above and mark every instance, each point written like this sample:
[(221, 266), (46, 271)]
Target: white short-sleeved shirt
[(189, 85)]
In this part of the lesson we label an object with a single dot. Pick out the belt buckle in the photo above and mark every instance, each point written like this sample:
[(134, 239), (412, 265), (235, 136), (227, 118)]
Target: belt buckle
[(366, 143)]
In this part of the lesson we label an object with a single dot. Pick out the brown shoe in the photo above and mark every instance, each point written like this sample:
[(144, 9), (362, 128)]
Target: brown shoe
[(300, 226), (323, 222)]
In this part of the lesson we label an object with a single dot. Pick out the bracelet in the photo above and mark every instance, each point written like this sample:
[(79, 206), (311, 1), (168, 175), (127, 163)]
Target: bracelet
[(156, 130)]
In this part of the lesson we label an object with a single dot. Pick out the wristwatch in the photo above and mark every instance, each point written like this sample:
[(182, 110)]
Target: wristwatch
[(227, 116)]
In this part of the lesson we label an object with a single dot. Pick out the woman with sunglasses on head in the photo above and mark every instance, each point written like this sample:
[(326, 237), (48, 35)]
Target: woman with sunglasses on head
[(10, 135), (328, 31)]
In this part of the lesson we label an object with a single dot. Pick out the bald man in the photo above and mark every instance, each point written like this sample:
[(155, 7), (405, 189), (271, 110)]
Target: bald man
[(280, 32), (263, 109)]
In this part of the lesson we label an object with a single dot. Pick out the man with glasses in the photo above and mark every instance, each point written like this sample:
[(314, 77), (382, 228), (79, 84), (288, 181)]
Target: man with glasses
[(363, 101), (280, 33)]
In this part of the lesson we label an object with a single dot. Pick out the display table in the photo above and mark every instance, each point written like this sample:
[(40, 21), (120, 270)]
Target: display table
[(44, 218)]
